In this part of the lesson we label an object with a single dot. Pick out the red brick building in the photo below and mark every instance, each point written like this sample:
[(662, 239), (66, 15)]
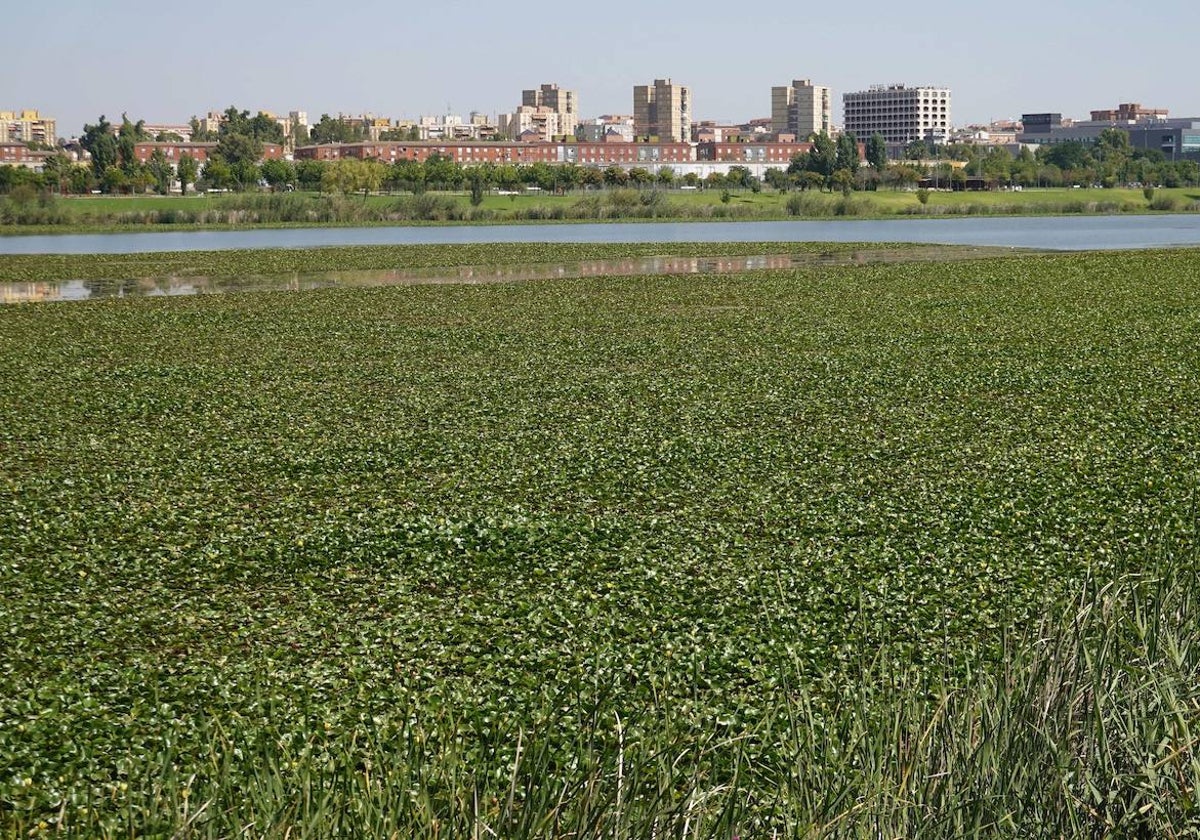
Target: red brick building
[(198, 151), (466, 153), (768, 152), (18, 154), (470, 153), (174, 151), (627, 154)]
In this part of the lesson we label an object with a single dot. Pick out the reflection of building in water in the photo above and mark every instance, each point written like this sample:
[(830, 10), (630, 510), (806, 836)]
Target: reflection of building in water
[(29, 292)]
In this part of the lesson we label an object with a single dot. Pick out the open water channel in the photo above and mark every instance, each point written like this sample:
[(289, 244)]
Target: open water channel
[(1069, 233)]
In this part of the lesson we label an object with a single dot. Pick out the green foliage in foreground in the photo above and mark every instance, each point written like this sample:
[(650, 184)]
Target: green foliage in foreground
[(560, 559)]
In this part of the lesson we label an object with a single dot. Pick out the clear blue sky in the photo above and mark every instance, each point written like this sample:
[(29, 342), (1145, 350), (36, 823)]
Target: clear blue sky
[(163, 62)]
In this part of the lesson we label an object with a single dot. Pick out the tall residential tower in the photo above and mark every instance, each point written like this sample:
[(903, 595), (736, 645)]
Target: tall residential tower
[(802, 109), (663, 110), (564, 103)]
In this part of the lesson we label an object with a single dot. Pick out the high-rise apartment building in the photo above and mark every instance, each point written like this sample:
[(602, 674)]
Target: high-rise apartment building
[(563, 102), (27, 127), (901, 114), (663, 110), (802, 109)]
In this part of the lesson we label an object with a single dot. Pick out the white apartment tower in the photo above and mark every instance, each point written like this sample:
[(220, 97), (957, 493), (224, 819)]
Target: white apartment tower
[(901, 114), (802, 109), (663, 110), (565, 103)]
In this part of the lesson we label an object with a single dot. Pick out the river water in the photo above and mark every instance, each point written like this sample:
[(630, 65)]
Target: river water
[(99, 288), (1039, 232)]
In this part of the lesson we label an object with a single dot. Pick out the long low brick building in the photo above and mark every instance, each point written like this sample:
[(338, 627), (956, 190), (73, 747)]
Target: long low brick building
[(199, 151), (601, 154)]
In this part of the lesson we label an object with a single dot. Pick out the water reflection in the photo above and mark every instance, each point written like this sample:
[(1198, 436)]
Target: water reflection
[(94, 289)]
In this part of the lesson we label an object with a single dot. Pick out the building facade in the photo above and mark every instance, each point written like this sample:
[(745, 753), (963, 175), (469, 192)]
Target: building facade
[(1129, 112), (18, 154), (1177, 139), (901, 114), (198, 151), (561, 101), (776, 152), (606, 128), (27, 127), (801, 109), (536, 120), (663, 110)]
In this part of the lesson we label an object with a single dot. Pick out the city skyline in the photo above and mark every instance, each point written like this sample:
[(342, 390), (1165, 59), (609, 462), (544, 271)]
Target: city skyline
[(162, 66)]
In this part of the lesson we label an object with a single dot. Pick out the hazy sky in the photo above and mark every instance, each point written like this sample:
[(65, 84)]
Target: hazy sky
[(164, 62)]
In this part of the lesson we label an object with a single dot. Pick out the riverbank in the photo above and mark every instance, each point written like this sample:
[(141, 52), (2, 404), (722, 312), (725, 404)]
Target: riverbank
[(97, 214)]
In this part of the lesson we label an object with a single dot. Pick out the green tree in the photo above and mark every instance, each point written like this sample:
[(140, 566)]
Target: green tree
[(329, 130), (218, 174), (309, 174), (615, 176), (843, 179), (241, 153), (996, 164), (477, 178), (278, 173), (199, 134), (1113, 154), (300, 136), (809, 180), (186, 171), (1068, 155), (443, 171), (161, 171), (877, 155), (917, 150), (507, 177), (740, 177), (128, 136), (12, 177), (114, 180), (823, 156), (846, 155), (99, 141), (777, 179), (407, 175), (57, 172), (639, 176), (351, 175), (592, 177)]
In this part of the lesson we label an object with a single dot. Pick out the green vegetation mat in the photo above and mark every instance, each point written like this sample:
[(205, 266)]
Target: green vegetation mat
[(583, 557)]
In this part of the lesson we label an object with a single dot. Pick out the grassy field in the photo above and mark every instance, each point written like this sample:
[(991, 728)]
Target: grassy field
[(289, 209), (783, 551)]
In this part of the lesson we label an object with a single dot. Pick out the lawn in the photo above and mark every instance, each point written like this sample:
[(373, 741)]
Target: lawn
[(578, 557)]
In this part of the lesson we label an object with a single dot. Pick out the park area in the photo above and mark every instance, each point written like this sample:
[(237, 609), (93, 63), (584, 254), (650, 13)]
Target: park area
[(901, 550), (23, 213)]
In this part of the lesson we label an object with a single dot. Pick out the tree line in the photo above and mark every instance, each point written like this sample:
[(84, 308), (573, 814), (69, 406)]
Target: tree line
[(235, 164)]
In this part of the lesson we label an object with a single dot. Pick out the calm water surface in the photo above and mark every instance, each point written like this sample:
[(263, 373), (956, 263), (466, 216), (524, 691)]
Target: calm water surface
[(1040, 232), (93, 289)]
